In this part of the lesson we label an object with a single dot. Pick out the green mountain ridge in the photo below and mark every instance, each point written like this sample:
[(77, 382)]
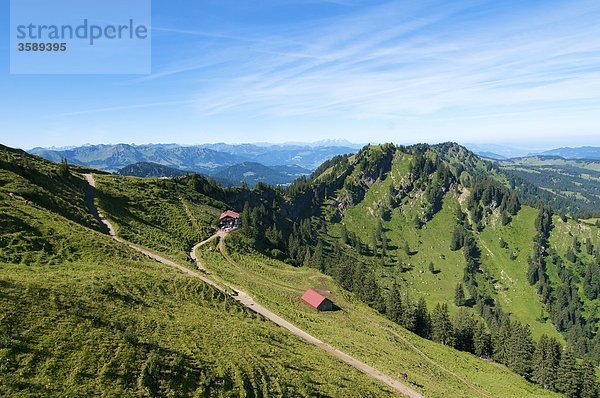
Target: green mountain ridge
[(373, 222)]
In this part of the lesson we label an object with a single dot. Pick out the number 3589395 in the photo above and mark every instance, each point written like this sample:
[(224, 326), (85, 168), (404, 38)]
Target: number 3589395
[(42, 46)]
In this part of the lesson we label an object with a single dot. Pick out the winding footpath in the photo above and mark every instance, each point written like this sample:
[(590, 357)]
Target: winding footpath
[(244, 299)]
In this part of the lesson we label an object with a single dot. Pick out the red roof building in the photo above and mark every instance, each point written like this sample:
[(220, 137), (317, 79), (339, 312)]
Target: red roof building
[(229, 214), (317, 300), (229, 220)]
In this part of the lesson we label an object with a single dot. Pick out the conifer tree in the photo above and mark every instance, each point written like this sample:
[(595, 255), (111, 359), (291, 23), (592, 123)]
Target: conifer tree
[(482, 343), (589, 383), (307, 258), (371, 294), (459, 295), (384, 245), (545, 362), (568, 381), (245, 216), (501, 335), (422, 319), (317, 259), (441, 326), (520, 346), (464, 330), (394, 308)]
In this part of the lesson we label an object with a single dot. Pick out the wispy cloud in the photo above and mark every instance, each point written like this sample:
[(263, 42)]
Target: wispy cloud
[(402, 59)]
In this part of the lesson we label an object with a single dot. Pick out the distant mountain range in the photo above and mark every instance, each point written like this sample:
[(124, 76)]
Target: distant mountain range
[(250, 173), (501, 152), (234, 164), (584, 152), (228, 164)]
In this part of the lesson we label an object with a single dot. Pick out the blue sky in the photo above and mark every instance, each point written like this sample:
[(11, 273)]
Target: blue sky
[(524, 73)]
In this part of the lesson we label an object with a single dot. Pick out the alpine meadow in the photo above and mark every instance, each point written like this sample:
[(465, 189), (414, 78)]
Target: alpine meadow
[(444, 278), (300, 199)]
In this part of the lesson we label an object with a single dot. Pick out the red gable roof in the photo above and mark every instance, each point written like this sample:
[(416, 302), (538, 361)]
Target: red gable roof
[(313, 298), (229, 213)]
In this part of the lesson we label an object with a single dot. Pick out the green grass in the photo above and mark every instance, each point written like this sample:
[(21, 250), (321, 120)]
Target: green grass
[(431, 244), (83, 315), (512, 288), (561, 238), (140, 329), (161, 214), (361, 332)]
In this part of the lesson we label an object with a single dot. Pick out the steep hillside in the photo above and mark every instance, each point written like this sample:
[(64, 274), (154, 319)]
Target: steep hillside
[(82, 315), (279, 286), (431, 236), (434, 262)]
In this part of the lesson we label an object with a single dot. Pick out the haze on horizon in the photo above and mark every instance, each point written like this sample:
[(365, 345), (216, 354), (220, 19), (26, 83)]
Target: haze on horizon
[(518, 73)]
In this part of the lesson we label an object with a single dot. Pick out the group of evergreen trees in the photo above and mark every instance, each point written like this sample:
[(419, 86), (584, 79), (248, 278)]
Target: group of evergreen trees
[(288, 228), (488, 195), (503, 339), (562, 300)]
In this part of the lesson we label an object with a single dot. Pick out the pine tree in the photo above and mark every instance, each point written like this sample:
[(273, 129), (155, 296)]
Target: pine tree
[(589, 383), (395, 306), (307, 258), (375, 245), (245, 216), (458, 238), (459, 295), (520, 347), (464, 330), (482, 343), (545, 362), (501, 334), (408, 314), (371, 294), (441, 326), (344, 273), (317, 259), (378, 230), (384, 245), (568, 381), (422, 319)]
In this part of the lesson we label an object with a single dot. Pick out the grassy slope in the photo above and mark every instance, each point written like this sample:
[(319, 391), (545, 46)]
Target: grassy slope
[(55, 225), (561, 237), (431, 244), (359, 330), (158, 213), (512, 287), (363, 333), (81, 315), (94, 329)]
